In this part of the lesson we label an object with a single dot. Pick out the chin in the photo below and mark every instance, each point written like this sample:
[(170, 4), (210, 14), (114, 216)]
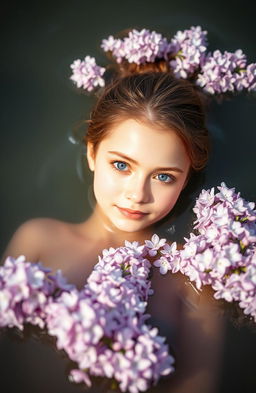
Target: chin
[(129, 227)]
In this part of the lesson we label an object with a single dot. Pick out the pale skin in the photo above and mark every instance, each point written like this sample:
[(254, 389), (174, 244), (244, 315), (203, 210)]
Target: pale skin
[(143, 168)]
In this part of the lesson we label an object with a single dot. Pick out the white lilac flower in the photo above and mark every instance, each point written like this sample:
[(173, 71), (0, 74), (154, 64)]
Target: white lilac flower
[(134, 248), (154, 244), (221, 215), (164, 264), (211, 233), (204, 260), (193, 274), (204, 214), (220, 266), (241, 207), (225, 194), (203, 209), (249, 307), (222, 292), (108, 44), (79, 376), (189, 250), (206, 198), (170, 259)]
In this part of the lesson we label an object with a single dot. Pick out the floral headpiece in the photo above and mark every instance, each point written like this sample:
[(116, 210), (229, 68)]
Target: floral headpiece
[(186, 54)]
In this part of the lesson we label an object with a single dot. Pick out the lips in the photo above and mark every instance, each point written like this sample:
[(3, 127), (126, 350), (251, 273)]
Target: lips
[(134, 214), (132, 211)]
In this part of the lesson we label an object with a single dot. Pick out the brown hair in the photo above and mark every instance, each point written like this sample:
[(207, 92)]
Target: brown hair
[(151, 94)]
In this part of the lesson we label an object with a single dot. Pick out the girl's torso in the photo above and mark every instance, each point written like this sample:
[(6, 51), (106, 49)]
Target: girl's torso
[(173, 306)]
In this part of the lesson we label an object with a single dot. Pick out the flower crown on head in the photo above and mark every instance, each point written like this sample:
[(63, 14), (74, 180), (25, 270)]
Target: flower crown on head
[(186, 55)]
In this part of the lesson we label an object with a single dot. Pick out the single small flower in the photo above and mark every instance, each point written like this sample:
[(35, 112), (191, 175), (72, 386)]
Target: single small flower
[(79, 376), (163, 264), (154, 244)]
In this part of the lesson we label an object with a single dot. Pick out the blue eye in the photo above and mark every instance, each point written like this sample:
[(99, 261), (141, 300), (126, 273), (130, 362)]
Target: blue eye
[(121, 166), (163, 177)]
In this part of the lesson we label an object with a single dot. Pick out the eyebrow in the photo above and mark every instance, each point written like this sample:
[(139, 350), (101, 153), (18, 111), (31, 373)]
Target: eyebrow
[(174, 168)]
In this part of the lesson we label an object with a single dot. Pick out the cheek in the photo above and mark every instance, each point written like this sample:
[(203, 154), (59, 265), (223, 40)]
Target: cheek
[(166, 198), (105, 185)]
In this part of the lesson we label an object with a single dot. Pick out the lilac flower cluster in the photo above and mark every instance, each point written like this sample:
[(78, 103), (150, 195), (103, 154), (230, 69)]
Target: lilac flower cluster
[(25, 291), (87, 74), (139, 47), (223, 72), (188, 48), (223, 251), (216, 72), (186, 54), (102, 328)]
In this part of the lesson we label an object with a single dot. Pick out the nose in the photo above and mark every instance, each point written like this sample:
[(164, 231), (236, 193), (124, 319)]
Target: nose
[(138, 190)]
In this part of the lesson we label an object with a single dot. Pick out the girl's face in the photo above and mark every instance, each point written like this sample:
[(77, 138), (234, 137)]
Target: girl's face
[(139, 172)]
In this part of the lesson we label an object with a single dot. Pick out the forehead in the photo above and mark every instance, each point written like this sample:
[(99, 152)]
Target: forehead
[(145, 143)]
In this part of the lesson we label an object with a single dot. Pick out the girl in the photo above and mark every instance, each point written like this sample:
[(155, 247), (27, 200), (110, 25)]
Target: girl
[(146, 137)]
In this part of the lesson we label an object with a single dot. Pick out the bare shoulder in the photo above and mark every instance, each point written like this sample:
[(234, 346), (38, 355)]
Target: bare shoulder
[(32, 236)]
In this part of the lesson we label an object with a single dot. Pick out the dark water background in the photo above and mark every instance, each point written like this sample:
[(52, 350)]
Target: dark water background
[(42, 173)]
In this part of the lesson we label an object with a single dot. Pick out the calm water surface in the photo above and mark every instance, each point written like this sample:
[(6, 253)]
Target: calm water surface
[(42, 173)]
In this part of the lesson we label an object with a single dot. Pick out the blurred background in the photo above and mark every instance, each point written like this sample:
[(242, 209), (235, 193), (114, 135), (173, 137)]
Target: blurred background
[(43, 171)]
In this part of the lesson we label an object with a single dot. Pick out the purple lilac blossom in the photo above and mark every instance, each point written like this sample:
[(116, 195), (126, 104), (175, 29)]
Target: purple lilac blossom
[(25, 291), (223, 72), (189, 49), (154, 244), (186, 54), (139, 47), (251, 76), (87, 74), (102, 328), (222, 251), (171, 262)]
